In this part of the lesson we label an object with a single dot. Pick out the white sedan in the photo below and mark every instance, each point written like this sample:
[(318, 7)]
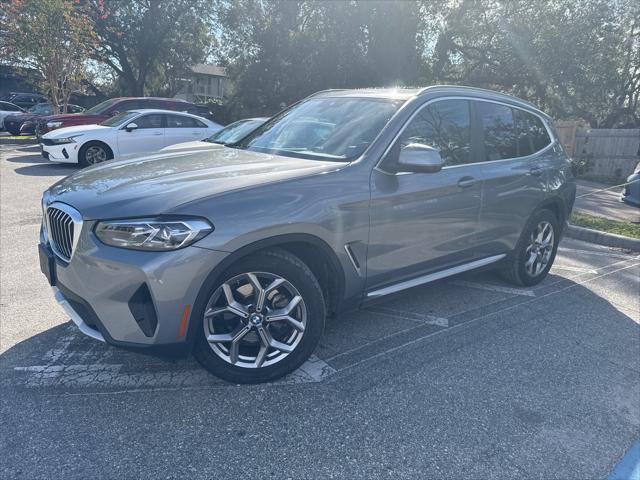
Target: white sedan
[(123, 135)]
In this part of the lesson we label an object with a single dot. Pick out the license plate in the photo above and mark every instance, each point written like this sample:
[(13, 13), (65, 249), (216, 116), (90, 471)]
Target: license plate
[(47, 264)]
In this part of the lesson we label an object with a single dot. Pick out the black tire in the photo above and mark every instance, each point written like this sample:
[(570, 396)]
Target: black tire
[(295, 271), (82, 154), (515, 271)]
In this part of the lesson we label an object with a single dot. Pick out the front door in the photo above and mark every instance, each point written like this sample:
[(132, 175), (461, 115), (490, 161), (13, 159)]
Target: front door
[(422, 222)]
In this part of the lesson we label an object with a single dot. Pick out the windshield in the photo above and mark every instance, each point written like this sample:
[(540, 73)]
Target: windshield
[(235, 132), (118, 119), (41, 108), (327, 128), (101, 107)]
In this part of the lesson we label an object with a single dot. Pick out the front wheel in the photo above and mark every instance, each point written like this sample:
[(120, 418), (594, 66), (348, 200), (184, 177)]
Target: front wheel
[(533, 257), (93, 153), (262, 320)]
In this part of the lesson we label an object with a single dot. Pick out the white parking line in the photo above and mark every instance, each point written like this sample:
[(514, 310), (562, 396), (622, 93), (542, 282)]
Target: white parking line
[(422, 318), (494, 288), (572, 269), (467, 324)]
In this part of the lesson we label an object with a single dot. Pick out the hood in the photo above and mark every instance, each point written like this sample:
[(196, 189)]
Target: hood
[(157, 184), (77, 129)]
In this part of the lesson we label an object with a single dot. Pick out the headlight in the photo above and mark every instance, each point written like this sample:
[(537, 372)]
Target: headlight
[(62, 141), (53, 124), (152, 234)]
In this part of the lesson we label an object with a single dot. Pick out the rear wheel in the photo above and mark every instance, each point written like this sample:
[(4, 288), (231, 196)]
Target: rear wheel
[(262, 320), (93, 153), (533, 257)]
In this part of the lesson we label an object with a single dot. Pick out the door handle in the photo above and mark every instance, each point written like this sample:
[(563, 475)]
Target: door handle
[(157, 133), (536, 171), (466, 182)]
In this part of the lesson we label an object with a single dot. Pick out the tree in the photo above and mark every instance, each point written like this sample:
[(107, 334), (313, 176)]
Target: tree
[(150, 43), (574, 58), (52, 37)]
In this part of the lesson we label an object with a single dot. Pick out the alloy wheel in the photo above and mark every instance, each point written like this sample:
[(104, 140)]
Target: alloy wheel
[(255, 319), (95, 154), (538, 252)]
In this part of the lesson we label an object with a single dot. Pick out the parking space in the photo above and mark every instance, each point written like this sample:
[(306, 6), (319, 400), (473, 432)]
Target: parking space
[(467, 377)]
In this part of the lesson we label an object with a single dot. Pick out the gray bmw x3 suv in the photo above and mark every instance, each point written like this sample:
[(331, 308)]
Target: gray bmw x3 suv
[(238, 254)]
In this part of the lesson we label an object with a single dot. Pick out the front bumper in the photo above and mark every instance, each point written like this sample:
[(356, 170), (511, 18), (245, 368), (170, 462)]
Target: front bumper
[(112, 293), (76, 317), (65, 153)]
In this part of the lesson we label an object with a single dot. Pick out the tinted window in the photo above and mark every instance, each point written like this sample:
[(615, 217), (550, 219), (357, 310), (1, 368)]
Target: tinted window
[(536, 131), (524, 143), (101, 107), (443, 125), (178, 121), (153, 120), (118, 119), (499, 130)]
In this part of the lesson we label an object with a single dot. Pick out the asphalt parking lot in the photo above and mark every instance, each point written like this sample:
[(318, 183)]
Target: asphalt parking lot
[(465, 378)]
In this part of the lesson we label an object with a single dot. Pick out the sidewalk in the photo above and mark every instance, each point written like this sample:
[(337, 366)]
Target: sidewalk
[(605, 204)]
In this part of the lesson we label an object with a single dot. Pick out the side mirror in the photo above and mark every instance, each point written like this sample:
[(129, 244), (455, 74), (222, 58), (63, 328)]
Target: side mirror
[(419, 158), (130, 127), (114, 113)]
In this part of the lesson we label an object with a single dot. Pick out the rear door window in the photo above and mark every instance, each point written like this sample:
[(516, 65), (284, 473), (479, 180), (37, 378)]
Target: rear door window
[(535, 130), (179, 121), (499, 130), (153, 120), (445, 126)]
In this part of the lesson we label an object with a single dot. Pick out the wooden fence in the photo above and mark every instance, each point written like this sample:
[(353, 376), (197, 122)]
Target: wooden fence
[(606, 153)]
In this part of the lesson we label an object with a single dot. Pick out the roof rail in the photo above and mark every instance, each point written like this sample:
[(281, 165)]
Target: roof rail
[(328, 90)]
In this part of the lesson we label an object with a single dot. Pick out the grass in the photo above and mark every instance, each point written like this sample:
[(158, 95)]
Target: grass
[(18, 137), (626, 229)]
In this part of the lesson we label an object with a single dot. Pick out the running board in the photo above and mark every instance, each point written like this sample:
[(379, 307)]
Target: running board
[(414, 282)]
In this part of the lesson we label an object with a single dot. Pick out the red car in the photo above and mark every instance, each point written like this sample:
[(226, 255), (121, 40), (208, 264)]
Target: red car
[(110, 107)]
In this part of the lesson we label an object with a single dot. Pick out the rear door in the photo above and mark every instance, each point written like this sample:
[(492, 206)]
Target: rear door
[(182, 128), (147, 138), (515, 156)]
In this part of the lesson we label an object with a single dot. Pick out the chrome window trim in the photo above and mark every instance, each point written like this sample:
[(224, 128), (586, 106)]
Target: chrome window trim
[(77, 228), (552, 137)]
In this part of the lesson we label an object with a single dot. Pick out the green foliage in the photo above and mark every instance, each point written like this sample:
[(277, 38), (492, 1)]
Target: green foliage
[(149, 44), (51, 37), (574, 58)]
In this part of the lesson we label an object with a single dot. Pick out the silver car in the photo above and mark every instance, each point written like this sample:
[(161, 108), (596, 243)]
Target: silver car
[(238, 254)]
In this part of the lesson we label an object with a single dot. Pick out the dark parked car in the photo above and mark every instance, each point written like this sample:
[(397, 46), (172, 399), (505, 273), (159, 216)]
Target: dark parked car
[(108, 108), (25, 123), (24, 100), (238, 253)]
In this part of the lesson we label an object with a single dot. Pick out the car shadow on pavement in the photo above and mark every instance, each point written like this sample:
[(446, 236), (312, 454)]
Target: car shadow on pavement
[(549, 383), (41, 167)]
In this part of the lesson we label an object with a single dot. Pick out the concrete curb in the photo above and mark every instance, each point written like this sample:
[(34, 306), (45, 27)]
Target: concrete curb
[(18, 141), (602, 238)]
